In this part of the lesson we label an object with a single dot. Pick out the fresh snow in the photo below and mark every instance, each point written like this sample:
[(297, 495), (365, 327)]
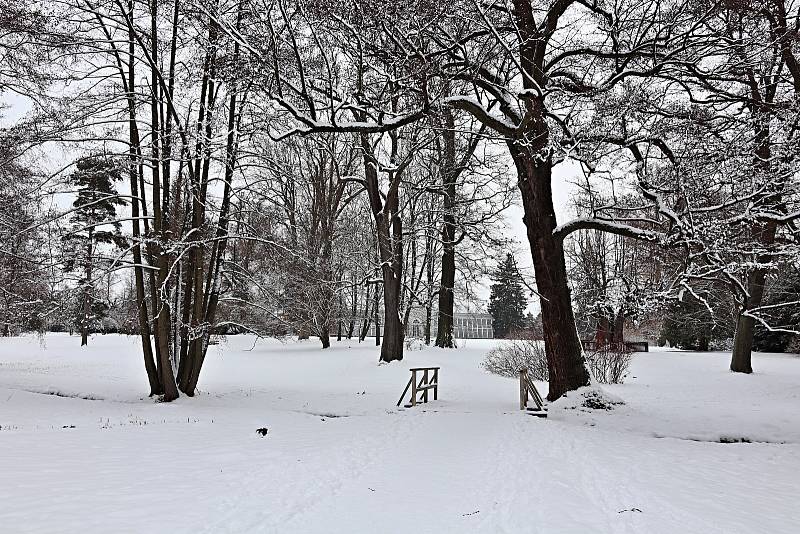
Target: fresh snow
[(340, 457)]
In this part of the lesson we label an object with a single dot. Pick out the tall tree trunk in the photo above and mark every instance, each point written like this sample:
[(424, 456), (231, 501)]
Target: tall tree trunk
[(764, 234), (565, 361), (161, 305), (376, 316), (389, 234), (444, 331), (87, 294), (208, 307), (353, 310), (451, 170), (428, 318), (135, 166), (195, 271)]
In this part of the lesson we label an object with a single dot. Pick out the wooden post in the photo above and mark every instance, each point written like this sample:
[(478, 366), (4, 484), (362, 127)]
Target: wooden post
[(523, 389), (413, 387), (425, 385), (436, 384)]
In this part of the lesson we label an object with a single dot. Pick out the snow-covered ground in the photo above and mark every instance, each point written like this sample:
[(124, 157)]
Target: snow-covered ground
[(81, 449)]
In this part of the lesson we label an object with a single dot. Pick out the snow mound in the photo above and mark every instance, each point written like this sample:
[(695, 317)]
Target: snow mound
[(587, 399)]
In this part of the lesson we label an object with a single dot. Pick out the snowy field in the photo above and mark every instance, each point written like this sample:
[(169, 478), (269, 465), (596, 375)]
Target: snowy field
[(81, 450)]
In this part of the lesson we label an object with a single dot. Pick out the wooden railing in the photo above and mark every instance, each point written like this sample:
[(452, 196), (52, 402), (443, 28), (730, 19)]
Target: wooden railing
[(428, 380), (633, 346), (528, 391)]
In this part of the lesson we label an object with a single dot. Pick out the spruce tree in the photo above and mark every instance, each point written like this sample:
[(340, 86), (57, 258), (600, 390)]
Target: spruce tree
[(507, 301)]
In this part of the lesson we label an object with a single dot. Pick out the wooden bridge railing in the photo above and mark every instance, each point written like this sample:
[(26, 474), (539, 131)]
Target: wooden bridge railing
[(428, 380), (528, 391)]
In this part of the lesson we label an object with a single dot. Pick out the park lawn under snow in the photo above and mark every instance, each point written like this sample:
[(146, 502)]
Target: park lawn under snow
[(81, 449)]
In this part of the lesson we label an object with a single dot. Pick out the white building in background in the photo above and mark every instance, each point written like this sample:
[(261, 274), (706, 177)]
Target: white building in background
[(466, 325)]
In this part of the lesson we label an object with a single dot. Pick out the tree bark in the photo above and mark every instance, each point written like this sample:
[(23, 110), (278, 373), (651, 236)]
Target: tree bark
[(162, 307), (619, 327), (565, 361), (444, 332), (207, 307), (325, 337), (393, 333), (87, 295), (741, 359), (138, 269), (376, 316), (389, 232)]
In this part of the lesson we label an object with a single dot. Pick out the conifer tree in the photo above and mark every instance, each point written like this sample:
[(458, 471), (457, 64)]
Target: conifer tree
[(507, 301), (94, 221)]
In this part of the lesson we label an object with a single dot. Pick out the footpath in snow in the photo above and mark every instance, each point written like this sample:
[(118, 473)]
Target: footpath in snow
[(81, 449)]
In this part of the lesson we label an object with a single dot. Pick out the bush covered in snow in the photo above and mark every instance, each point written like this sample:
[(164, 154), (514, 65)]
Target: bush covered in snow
[(414, 343), (609, 363), (508, 358)]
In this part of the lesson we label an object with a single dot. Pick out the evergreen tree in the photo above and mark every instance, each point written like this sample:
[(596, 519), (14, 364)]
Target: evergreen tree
[(690, 325), (507, 300), (94, 222), (782, 311)]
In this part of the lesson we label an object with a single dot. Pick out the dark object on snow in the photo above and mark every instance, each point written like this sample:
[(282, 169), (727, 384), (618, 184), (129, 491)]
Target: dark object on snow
[(425, 383), (262, 431), (68, 426), (595, 401)]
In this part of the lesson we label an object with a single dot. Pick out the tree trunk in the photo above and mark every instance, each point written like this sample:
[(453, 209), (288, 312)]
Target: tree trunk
[(134, 166), (207, 307), (741, 359), (87, 295), (367, 316), (565, 361), (393, 334), (764, 234), (444, 332), (325, 337), (85, 319), (352, 325), (619, 327), (601, 334), (428, 318), (376, 298), (161, 299)]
